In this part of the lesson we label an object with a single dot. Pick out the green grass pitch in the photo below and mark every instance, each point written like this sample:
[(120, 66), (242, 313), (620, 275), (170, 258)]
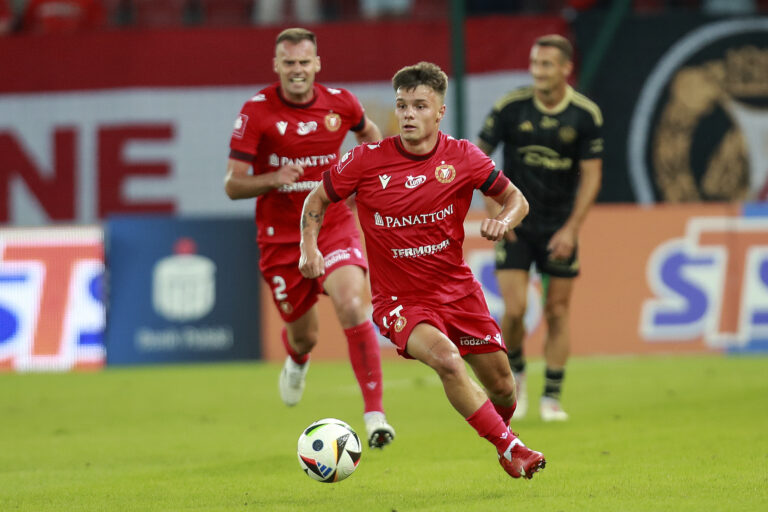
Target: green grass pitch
[(683, 433)]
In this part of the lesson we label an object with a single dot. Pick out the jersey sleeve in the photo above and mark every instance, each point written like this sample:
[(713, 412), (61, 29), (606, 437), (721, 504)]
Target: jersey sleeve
[(357, 113), (591, 139), (340, 181), (245, 135), (486, 177), (492, 131)]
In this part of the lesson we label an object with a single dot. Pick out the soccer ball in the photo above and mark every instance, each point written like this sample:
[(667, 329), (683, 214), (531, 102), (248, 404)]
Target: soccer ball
[(329, 450)]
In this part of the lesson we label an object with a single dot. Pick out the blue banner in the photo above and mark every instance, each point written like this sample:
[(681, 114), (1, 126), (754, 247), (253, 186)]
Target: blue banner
[(181, 290)]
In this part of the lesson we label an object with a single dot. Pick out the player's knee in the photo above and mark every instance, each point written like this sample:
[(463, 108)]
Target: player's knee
[(503, 390), (304, 343), (351, 310), (514, 310), (556, 312), (447, 363)]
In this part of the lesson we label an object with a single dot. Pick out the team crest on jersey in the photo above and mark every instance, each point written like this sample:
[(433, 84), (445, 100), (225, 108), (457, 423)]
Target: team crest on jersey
[(445, 173), (286, 307), (525, 126), (240, 123), (332, 121), (400, 323), (567, 134)]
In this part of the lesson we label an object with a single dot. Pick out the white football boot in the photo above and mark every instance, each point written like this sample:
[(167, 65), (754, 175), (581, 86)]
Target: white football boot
[(292, 381), (551, 410), (380, 433)]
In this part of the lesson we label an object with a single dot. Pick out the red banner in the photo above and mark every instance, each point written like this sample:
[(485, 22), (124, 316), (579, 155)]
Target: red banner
[(350, 52)]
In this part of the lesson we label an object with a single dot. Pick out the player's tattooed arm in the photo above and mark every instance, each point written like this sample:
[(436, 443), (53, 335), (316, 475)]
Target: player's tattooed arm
[(514, 207), (311, 263)]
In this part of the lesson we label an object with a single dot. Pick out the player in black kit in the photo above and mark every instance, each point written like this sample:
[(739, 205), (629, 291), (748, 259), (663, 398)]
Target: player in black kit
[(552, 144)]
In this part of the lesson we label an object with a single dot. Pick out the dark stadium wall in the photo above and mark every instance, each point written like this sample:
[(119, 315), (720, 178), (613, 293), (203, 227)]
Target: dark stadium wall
[(685, 102)]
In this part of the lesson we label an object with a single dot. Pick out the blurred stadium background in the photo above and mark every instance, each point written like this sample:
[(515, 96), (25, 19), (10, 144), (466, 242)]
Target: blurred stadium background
[(119, 248), (118, 245)]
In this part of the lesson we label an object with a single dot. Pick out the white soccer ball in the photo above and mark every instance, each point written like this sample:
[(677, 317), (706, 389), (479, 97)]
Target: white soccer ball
[(329, 450)]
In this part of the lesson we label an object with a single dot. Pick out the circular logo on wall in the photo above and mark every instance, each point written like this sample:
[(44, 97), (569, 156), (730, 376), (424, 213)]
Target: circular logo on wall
[(700, 126)]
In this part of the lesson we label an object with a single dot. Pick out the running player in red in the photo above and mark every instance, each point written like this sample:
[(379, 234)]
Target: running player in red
[(289, 133), (413, 192)]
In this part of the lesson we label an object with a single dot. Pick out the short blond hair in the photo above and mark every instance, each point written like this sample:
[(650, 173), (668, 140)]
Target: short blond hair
[(556, 41), (296, 35)]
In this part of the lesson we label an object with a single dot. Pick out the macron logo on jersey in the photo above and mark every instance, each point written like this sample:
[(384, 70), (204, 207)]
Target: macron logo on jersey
[(384, 179), (282, 126)]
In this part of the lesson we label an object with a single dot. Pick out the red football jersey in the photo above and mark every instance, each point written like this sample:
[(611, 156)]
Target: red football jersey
[(412, 210), (271, 132)]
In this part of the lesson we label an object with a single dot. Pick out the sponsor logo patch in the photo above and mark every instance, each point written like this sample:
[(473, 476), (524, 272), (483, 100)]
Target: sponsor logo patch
[(415, 181), (239, 129)]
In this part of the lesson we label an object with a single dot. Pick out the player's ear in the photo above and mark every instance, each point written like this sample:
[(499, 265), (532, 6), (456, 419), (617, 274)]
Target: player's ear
[(568, 68), (274, 64), (317, 63), (441, 113)]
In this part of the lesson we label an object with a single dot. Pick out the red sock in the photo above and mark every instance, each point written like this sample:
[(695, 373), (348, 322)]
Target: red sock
[(489, 425), (366, 363), (505, 412), (297, 358)]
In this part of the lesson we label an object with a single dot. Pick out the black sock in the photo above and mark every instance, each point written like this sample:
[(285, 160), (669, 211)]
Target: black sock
[(516, 360), (553, 382)]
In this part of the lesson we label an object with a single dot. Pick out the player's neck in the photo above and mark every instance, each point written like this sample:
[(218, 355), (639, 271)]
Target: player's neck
[(298, 99), (551, 98), (421, 147)]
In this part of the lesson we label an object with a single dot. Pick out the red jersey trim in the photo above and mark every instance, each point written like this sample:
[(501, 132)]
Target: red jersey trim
[(413, 156), (329, 190), (242, 156)]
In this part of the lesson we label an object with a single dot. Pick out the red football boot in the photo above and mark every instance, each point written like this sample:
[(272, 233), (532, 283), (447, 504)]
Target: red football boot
[(520, 461)]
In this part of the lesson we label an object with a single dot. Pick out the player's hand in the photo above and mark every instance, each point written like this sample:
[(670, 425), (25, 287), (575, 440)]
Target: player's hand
[(311, 263), (287, 175), (493, 229), (562, 244)]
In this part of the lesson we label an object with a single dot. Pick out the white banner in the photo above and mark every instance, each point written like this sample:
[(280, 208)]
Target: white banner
[(80, 156)]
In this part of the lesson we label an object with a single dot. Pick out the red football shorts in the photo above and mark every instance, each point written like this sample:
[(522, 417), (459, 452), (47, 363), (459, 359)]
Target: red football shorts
[(466, 322), (293, 294)]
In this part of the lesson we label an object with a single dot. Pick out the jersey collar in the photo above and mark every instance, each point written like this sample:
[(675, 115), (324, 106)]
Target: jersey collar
[(298, 105), (414, 156), (557, 108)]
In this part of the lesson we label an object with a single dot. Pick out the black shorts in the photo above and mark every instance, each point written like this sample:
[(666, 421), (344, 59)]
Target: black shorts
[(531, 247)]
